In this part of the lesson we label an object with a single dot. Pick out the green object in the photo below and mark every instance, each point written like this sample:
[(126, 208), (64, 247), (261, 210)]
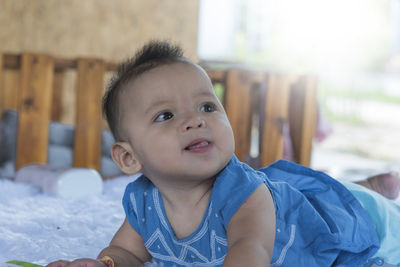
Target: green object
[(19, 264), (219, 91)]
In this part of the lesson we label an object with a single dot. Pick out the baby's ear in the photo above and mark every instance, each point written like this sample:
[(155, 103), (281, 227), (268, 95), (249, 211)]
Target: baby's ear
[(123, 156)]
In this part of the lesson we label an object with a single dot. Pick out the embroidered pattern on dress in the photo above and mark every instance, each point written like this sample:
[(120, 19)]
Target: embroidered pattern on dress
[(158, 237), (282, 256), (158, 209), (214, 241), (158, 247), (133, 201)]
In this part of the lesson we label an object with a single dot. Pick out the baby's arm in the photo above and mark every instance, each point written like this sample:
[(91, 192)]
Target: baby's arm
[(251, 231), (126, 249)]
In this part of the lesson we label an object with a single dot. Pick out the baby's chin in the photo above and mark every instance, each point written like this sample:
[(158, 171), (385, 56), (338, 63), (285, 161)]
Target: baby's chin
[(190, 172)]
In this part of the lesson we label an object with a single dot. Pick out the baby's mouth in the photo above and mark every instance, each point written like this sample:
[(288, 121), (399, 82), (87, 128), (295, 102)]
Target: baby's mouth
[(197, 145)]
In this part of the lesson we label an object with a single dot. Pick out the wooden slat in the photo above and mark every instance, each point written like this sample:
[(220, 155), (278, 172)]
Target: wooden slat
[(10, 82), (276, 116), (216, 76), (1, 85), (34, 109), (12, 61), (237, 106), (57, 107), (87, 148), (11, 88), (302, 117)]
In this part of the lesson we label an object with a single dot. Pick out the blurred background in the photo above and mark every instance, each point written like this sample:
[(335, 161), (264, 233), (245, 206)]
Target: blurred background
[(353, 46)]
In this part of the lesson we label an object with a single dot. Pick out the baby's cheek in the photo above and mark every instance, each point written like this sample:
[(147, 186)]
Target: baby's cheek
[(228, 141)]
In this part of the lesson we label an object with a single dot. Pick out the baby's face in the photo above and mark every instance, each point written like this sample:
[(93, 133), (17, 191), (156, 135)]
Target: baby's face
[(175, 124)]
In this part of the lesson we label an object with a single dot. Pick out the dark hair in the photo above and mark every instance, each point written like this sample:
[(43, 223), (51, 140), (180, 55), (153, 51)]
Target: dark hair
[(150, 56)]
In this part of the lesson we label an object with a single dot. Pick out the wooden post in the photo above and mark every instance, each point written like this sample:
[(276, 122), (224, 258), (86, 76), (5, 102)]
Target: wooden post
[(90, 83), (34, 108), (302, 117), (1, 85), (57, 107), (216, 76), (237, 106), (11, 82), (275, 108)]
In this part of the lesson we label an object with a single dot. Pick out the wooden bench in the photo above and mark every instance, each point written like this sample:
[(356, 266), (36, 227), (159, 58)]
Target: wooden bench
[(257, 104)]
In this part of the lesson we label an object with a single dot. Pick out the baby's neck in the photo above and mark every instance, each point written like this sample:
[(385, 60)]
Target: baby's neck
[(185, 207), (190, 195)]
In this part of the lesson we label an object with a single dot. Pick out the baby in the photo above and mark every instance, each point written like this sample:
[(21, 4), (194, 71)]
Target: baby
[(196, 204)]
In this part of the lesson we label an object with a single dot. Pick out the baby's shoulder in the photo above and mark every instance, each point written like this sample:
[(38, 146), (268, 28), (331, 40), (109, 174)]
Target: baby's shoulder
[(137, 191), (233, 187), (141, 184)]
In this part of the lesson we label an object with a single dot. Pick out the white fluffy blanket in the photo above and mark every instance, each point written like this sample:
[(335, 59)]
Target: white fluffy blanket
[(38, 228)]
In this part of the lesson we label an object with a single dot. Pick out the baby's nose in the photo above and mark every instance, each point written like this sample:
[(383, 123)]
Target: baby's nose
[(193, 122)]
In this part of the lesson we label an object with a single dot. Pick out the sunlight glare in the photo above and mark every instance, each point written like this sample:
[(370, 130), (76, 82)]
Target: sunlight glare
[(340, 34)]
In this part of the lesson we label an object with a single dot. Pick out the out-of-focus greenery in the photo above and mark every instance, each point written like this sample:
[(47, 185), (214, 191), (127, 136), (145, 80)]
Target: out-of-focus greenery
[(326, 91), (219, 91)]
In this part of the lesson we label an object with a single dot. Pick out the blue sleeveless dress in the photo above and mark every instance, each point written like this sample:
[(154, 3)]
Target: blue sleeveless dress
[(318, 221)]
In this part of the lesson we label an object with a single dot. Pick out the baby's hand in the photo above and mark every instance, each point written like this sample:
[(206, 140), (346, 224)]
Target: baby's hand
[(77, 263)]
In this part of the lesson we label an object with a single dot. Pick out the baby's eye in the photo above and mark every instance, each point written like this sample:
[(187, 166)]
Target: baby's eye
[(164, 116), (208, 107)]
